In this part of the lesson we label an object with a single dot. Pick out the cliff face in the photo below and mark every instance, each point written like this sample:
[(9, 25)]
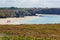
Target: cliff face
[(21, 12)]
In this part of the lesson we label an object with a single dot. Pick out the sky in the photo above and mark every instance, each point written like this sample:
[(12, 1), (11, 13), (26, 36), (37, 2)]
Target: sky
[(30, 3)]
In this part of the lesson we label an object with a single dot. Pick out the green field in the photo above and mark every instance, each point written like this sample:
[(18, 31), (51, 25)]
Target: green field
[(30, 32)]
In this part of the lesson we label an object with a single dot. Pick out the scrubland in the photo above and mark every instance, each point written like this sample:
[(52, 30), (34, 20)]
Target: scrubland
[(30, 32)]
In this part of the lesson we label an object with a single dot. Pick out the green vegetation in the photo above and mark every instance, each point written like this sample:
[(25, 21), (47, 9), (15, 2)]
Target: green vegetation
[(30, 32), (21, 12), (23, 38)]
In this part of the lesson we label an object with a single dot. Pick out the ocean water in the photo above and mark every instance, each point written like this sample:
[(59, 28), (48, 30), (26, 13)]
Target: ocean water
[(47, 19)]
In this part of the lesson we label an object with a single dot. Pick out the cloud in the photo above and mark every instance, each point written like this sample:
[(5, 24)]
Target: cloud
[(30, 3)]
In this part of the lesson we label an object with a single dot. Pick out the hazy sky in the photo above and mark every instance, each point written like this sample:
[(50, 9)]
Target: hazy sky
[(30, 3)]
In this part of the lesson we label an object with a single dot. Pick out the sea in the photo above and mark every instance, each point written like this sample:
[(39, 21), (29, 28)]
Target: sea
[(45, 19)]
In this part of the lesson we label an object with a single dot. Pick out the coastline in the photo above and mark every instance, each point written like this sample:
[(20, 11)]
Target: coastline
[(20, 20), (13, 20)]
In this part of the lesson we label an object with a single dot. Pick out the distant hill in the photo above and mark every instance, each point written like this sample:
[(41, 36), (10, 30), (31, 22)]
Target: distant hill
[(21, 12)]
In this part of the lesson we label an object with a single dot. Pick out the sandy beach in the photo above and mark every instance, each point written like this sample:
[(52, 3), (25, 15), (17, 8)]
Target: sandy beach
[(13, 20), (42, 18)]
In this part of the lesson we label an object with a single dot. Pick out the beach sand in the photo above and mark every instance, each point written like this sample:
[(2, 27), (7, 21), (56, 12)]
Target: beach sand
[(13, 20)]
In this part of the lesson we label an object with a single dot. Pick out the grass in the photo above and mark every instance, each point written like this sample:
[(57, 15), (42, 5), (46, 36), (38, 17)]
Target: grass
[(30, 32)]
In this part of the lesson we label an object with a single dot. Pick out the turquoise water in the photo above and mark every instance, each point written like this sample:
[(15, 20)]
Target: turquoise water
[(48, 19)]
